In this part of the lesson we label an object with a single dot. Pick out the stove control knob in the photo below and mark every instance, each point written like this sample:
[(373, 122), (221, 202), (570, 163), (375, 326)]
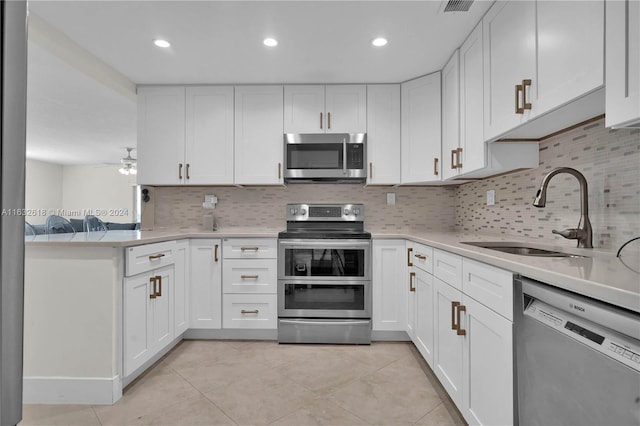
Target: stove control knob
[(347, 212), (293, 212), (303, 211), (356, 212)]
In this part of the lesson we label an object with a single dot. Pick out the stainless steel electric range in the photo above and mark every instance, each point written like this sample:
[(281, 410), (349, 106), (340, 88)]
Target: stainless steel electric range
[(324, 275)]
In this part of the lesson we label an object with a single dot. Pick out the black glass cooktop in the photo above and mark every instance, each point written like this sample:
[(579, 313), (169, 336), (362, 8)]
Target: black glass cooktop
[(324, 234)]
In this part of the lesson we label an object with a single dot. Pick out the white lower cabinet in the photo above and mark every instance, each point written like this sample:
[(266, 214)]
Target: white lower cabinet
[(181, 300), (389, 285), (206, 284), (250, 311), (148, 316), (424, 315)]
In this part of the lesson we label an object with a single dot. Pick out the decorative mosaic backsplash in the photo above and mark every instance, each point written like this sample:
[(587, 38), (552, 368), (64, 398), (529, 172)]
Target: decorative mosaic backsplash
[(610, 161), (415, 208)]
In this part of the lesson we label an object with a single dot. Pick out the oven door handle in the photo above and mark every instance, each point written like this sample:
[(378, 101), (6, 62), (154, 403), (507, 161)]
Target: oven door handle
[(307, 322), (302, 244)]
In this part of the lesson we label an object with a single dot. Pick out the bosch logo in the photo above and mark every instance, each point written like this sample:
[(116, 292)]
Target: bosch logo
[(576, 307)]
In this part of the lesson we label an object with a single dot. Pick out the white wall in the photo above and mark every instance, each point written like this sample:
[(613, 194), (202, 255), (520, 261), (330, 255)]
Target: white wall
[(43, 194), (98, 190)]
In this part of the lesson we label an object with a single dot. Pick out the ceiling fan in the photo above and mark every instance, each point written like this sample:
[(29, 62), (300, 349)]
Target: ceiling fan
[(129, 164)]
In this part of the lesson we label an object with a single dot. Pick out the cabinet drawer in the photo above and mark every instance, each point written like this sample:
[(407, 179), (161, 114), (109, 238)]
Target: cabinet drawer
[(448, 267), (249, 311), (491, 286), (249, 276), (249, 248), (422, 257), (149, 256)]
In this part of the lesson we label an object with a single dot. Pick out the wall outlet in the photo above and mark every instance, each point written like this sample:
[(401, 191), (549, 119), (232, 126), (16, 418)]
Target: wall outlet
[(391, 198), (491, 197)]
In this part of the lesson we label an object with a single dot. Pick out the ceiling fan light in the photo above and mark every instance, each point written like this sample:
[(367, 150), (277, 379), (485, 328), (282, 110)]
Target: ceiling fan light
[(379, 41), (161, 43)]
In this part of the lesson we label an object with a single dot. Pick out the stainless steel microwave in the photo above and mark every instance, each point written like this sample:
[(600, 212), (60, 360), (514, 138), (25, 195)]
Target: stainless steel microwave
[(325, 157)]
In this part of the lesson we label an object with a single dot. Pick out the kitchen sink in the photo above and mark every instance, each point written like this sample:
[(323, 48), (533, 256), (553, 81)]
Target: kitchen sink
[(520, 249)]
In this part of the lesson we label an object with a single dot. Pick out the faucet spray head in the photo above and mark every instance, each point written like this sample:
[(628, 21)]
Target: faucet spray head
[(541, 198)]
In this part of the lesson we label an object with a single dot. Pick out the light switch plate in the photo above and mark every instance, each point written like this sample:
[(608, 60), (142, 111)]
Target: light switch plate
[(491, 197), (391, 198)]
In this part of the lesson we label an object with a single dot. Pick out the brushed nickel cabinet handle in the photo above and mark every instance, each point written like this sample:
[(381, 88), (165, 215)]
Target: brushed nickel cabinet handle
[(279, 170), (409, 251), (420, 256), (321, 120), (370, 170), (152, 280), (459, 158), (159, 278), (188, 165), (435, 166), (453, 158), (215, 253), (156, 256), (253, 311), (329, 120), (249, 277), (525, 83), (249, 248), (518, 90), (180, 171), (453, 315), (412, 275), (461, 332)]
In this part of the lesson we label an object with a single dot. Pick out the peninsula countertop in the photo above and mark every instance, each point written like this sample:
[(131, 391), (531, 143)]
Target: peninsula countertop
[(599, 274)]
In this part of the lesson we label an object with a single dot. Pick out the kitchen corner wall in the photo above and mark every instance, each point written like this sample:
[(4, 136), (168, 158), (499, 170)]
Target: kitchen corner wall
[(416, 207), (610, 161)]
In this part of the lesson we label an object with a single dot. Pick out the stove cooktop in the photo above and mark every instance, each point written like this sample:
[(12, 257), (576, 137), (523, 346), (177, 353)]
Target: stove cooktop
[(324, 234)]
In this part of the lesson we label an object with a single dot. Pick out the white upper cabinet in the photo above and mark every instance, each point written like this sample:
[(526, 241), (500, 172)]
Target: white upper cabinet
[(451, 149), (383, 134), (509, 65), (185, 135), (421, 130), (623, 64), (209, 135), (325, 109), (161, 125), (258, 135)]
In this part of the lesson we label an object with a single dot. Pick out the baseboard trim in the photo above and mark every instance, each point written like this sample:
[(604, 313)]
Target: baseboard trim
[(232, 334), (389, 336), (71, 390)]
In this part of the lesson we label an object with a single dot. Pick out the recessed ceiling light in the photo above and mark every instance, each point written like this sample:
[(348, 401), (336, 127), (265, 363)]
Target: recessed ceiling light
[(379, 41), (271, 42), (161, 43)]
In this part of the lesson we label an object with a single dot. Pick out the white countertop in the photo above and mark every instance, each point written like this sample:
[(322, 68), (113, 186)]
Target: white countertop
[(600, 275)]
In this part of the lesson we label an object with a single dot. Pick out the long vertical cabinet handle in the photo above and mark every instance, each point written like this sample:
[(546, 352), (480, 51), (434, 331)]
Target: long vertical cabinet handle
[(180, 171), (461, 331), (215, 253), (328, 121), (321, 120), (409, 251), (435, 166), (518, 91), (279, 170), (370, 170), (412, 275), (525, 83), (459, 158), (159, 278), (454, 164), (454, 326), (188, 165), (152, 280)]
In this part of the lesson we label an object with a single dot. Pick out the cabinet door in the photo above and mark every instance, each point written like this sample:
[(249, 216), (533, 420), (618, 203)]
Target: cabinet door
[(421, 135), (346, 108), (487, 366), (509, 58), (206, 284), (137, 318), (410, 292), (383, 133), (570, 52), (473, 155), (258, 135), (162, 319), (304, 109), (451, 117), (448, 344), (161, 124), (181, 288), (389, 290), (424, 339), (623, 63), (209, 135)]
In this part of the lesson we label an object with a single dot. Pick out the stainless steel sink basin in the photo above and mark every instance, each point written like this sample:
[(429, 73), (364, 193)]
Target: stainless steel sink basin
[(519, 248)]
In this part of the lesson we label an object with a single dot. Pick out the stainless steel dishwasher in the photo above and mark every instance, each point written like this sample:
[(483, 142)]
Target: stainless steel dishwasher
[(577, 359)]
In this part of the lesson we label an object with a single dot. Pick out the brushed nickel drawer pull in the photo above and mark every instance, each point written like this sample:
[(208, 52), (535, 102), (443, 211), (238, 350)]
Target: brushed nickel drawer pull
[(461, 332), (453, 158), (159, 278), (519, 89), (188, 165), (249, 248), (249, 277), (435, 166), (215, 253), (321, 120), (253, 311), (329, 120), (156, 256), (279, 170), (420, 256), (453, 315), (370, 170), (409, 251), (412, 275), (180, 171), (525, 83), (459, 158), (152, 280)]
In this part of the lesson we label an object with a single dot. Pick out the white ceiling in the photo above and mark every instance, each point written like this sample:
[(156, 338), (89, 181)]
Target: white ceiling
[(74, 118)]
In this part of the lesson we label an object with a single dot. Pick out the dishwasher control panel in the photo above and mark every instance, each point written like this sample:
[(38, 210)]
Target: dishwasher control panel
[(610, 343)]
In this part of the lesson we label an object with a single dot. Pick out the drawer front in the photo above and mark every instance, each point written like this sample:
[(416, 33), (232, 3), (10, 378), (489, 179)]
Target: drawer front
[(149, 256), (250, 248), (249, 276), (422, 257), (448, 267), (249, 311), (491, 286)]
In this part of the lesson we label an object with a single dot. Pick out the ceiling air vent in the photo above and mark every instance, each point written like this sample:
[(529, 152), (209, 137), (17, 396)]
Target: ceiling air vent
[(458, 6)]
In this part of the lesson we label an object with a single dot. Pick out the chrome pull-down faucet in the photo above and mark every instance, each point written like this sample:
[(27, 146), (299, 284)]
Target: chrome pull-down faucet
[(583, 233)]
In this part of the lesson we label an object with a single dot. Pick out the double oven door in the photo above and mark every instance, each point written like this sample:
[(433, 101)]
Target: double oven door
[(324, 279)]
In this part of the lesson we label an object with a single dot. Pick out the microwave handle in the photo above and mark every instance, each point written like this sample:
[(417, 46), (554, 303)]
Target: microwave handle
[(344, 156)]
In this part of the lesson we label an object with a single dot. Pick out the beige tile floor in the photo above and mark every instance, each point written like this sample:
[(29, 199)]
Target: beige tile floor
[(263, 383)]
